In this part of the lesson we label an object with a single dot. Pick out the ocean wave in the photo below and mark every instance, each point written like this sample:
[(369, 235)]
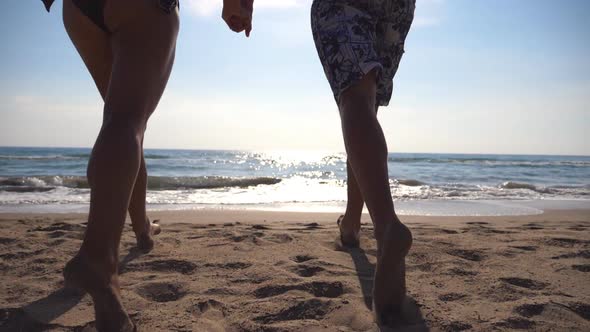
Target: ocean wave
[(522, 185), (410, 182), (83, 155), (25, 189), (206, 182), (39, 158), (155, 156), (68, 156), (491, 162), (47, 183)]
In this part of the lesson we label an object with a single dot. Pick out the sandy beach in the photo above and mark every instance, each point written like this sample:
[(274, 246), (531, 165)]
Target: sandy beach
[(274, 271)]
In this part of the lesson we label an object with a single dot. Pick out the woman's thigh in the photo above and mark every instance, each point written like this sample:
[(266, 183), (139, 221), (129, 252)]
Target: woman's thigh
[(92, 43), (143, 42)]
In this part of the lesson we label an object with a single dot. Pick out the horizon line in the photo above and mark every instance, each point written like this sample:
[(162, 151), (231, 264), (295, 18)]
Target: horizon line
[(291, 149)]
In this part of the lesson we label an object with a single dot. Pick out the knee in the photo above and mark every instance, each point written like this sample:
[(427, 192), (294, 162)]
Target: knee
[(124, 126), (359, 100), (355, 100), (357, 112), (120, 138)]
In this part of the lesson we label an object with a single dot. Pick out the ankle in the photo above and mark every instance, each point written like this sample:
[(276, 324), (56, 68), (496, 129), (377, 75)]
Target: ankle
[(140, 225), (352, 217), (393, 230), (105, 263)]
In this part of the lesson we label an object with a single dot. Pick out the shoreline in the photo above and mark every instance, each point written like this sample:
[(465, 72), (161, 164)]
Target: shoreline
[(220, 217), (436, 208)]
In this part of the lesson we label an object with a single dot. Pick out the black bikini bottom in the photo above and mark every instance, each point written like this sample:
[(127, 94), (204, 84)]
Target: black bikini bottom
[(94, 9)]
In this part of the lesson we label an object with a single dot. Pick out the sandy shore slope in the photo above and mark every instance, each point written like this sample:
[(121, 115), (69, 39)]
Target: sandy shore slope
[(256, 271)]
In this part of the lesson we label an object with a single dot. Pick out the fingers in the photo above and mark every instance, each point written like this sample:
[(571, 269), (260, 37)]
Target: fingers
[(236, 24), (248, 29), (237, 14), (247, 7)]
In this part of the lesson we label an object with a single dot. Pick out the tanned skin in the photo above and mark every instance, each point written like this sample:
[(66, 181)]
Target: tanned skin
[(130, 67), (368, 180)]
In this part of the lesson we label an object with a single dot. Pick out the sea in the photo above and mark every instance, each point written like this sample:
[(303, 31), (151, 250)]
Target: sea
[(53, 180)]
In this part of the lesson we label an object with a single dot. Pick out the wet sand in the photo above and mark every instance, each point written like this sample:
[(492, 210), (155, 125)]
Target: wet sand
[(217, 270)]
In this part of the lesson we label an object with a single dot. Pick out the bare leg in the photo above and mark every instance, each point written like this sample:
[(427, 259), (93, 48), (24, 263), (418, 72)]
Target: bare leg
[(367, 154), (94, 46), (350, 222), (136, 84), (144, 229)]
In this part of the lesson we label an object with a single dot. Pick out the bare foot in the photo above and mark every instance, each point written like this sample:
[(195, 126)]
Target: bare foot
[(145, 241), (349, 232), (389, 289), (109, 312)]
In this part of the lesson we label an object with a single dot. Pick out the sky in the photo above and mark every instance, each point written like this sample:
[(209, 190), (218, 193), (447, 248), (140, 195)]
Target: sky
[(478, 76)]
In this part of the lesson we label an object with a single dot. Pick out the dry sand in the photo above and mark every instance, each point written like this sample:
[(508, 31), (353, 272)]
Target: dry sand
[(256, 271)]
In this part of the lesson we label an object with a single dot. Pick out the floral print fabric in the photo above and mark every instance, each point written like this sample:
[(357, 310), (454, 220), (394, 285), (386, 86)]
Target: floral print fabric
[(353, 37)]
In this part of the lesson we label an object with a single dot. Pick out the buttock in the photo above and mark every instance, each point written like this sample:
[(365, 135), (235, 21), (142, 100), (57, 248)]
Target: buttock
[(354, 37), (94, 10)]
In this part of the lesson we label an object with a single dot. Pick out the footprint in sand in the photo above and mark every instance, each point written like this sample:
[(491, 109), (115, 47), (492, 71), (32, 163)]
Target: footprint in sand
[(529, 310), (578, 254), (471, 255), (230, 265), (59, 226), (169, 240), (56, 242), (195, 237), (565, 242), (259, 227), (165, 265), (209, 316), (516, 323), (450, 297), (309, 309), (21, 254), (16, 319), (5, 240), (456, 326), (279, 238), (162, 291), (525, 248), (312, 226), (302, 258), (532, 226), (44, 260), (209, 308), (582, 268), (424, 267), (306, 270), (60, 230), (316, 288), (504, 292), (224, 291), (481, 229), (250, 279), (525, 283), (248, 238), (581, 309)]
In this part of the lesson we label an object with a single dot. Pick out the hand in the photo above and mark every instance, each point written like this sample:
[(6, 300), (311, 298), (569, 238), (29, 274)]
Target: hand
[(238, 15)]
